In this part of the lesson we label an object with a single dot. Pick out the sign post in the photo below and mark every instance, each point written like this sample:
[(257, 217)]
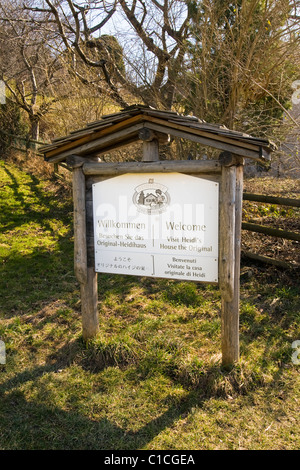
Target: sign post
[(165, 224), (230, 251), (85, 274), (159, 218)]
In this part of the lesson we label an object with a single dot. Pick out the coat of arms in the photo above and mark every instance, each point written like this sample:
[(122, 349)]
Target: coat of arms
[(151, 197)]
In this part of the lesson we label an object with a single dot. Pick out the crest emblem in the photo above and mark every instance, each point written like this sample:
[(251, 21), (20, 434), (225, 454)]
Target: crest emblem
[(151, 198)]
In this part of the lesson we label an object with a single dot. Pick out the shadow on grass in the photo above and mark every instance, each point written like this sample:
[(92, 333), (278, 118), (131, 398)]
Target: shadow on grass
[(26, 281), (31, 279), (37, 427), (33, 426), (45, 203), (26, 425), (28, 278)]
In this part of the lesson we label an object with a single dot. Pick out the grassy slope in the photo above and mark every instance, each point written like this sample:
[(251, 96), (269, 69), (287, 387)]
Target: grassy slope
[(152, 379)]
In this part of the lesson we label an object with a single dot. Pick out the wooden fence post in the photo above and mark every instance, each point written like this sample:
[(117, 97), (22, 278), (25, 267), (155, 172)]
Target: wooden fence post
[(230, 251), (89, 305), (86, 276)]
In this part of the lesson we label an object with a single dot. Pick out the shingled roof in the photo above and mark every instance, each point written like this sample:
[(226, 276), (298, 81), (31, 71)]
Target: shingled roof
[(122, 128)]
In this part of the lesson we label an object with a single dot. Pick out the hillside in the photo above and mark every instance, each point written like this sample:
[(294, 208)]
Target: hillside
[(152, 379)]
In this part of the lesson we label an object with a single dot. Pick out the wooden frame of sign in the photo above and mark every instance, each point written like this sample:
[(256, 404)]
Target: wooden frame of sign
[(227, 171)]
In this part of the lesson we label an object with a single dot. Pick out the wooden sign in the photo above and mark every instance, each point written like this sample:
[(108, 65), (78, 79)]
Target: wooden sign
[(154, 218), (157, 224)]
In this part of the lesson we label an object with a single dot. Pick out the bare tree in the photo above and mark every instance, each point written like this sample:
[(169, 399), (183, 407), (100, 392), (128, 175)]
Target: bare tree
[(153, 51), (89, 58), (161, 30), (29, 69), (229, 62)]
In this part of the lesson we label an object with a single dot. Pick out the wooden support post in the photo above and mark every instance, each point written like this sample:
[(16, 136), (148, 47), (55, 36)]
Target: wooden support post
[(227, 230), (89, 305), (85, 276), (150, 151), (230, 253), (150, 145), (80, 253)]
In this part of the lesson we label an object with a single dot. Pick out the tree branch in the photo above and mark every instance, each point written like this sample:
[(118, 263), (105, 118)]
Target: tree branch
[(147, 40)]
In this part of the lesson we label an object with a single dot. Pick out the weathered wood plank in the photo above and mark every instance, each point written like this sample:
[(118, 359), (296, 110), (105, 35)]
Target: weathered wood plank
[(181, 166), (209, 131), (230, 145), (80, 256), (230, 309), (85, 275), (274, 232), (223, 133), (89, 305), (281, 201), (112, 140), (267, 260), (227, 233), (151, 151), (62, 152)]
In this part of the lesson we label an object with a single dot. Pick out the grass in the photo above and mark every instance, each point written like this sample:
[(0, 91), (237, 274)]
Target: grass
[(152, 379)]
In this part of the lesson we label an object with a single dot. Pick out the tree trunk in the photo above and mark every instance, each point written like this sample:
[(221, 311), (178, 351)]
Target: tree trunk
[(34, 129)]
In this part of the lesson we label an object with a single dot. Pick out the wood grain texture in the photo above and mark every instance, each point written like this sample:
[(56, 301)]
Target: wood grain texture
[(89, 305), (80, 255), (230, 307), (167, 166), (227, 232)]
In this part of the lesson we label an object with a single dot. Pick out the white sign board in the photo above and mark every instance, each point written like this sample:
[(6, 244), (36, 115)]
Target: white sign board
[(158, 225)]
